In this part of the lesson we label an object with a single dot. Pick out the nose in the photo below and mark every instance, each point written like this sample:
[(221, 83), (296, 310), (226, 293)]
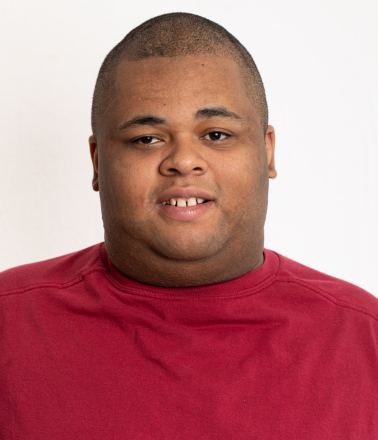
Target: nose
[(184, 158)]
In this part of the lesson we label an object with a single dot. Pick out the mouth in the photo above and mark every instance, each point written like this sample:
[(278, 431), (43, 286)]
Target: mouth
[(185, 208), (184, 201)]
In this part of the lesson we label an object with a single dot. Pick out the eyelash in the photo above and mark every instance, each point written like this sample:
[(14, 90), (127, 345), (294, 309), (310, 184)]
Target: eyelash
[(137, 141)]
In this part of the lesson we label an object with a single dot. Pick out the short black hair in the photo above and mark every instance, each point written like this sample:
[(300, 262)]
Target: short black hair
[(177, 34)]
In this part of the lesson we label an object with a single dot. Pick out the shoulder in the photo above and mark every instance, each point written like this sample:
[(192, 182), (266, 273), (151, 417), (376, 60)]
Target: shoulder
[(333, 289), (55, 272)]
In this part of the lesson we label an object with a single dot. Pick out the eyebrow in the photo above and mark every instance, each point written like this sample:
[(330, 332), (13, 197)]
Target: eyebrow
[(217, 112), (205, 113), (142, 120)]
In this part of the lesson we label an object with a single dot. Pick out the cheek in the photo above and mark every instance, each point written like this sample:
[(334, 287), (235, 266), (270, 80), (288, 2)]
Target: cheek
[(245, 183), (125, 187), (244, 173)]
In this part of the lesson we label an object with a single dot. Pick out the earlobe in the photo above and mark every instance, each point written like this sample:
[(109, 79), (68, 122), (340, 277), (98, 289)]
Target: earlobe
[(270, 143), (94, 156)]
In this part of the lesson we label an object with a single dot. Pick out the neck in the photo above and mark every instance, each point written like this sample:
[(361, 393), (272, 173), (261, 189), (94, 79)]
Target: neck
[(149, 267)]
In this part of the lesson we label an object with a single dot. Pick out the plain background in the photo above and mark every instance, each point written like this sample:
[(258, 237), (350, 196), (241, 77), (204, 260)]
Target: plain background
[(319, 64)]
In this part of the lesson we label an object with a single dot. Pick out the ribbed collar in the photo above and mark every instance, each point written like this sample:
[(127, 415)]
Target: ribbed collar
[(245, 285)]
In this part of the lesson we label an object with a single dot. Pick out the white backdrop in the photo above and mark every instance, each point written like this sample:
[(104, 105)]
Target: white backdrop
[(319, 64)]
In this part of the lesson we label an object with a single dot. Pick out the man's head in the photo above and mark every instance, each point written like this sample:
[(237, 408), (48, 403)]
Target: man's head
[(181, 128), (171, 35)]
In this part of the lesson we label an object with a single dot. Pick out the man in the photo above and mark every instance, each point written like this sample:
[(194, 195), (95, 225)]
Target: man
[(181, 325)]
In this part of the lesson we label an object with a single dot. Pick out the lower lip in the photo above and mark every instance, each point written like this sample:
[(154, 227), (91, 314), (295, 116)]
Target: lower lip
[(185, 212)]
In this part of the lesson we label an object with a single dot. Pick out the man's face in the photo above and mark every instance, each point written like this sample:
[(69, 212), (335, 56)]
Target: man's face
[(182, 130)]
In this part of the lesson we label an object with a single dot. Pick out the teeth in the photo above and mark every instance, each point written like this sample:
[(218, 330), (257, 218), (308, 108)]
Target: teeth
[(192, 201)]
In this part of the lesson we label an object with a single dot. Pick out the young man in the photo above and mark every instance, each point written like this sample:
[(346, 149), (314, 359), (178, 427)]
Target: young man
[(181, 325)]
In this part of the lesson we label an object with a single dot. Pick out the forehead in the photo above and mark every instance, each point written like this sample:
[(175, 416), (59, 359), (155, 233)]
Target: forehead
[(179, 83)]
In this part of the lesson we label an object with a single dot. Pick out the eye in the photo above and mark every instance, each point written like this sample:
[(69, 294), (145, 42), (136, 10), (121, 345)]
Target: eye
[(147, 140), (216, 136)]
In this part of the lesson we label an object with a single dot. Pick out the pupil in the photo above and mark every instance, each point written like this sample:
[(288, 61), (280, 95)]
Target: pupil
[(215, 135), (146, 139)]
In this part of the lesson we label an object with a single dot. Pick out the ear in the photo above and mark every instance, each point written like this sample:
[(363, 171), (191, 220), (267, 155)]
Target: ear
[(270, 143), (94, 156)]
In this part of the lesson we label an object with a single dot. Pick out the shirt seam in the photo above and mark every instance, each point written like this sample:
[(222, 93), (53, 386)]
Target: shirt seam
[(327, 295), (77, 279)]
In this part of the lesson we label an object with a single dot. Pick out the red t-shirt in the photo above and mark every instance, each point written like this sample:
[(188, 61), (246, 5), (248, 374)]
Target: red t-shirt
[(283, 352)]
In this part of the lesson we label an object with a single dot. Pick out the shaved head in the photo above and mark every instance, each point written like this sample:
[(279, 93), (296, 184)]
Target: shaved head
[(171, 35)]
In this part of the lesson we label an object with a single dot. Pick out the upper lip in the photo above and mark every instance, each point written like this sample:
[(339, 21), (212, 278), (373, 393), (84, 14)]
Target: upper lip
[(180, 192)]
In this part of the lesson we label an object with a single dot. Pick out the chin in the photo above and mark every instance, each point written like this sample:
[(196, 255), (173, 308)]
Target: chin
[(187, 252)]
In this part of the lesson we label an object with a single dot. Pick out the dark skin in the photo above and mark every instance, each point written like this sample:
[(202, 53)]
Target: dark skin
[(183, 123)]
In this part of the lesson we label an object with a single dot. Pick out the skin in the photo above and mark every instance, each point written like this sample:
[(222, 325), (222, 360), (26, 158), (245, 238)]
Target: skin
[(132, 171)]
